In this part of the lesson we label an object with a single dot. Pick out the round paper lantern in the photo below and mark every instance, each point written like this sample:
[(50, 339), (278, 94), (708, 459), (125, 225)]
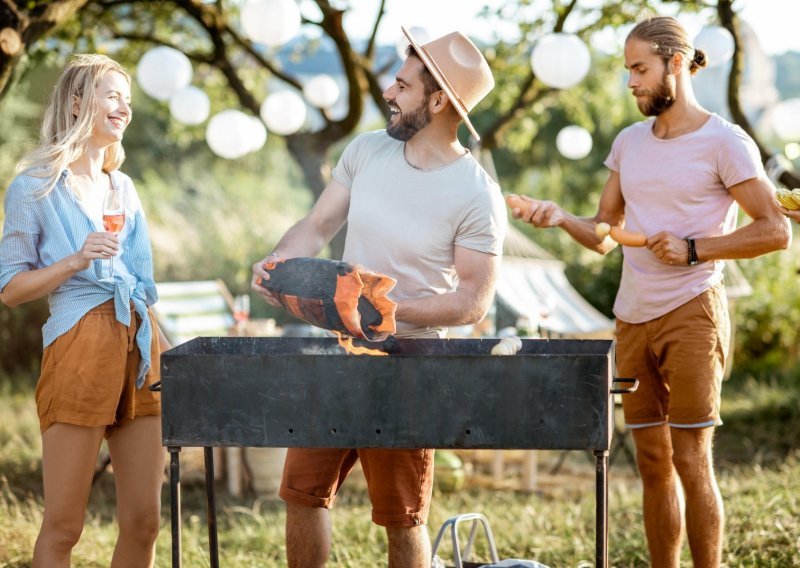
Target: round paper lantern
[(163, 71), (792, 150), (420, 34), (786, 120), (574, 142), (229, 134), (271, 22), (717, 43), (560, 60), (284, 112), (258, 134), (322, 91), (189, 105)]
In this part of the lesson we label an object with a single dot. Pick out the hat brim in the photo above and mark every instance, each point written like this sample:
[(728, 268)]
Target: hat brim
[(430, 64)]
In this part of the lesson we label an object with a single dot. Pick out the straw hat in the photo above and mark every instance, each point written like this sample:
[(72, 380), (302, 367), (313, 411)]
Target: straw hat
[(459, 68)]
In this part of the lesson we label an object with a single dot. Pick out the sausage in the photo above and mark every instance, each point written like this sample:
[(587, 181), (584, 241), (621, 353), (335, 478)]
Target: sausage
[(516, 202), (623, 237)]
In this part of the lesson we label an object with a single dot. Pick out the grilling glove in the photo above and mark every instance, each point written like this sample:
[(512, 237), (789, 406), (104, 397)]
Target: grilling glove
[(334, 295)]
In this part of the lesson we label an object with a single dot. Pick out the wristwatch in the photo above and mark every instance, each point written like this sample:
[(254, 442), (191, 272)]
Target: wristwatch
[(692, 252)]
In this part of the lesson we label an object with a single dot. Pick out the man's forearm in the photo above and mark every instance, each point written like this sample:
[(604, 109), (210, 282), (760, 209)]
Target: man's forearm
[(461, 307), (303, 239), (762, 236)]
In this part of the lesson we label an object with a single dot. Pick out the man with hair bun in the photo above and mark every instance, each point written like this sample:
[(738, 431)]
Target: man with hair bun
[(678, 178)]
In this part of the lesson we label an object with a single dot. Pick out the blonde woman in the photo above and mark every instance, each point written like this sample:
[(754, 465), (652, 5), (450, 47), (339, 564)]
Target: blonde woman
[(101, 345)]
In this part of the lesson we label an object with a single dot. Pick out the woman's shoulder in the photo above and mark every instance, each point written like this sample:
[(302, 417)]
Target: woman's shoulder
[(27, 184)]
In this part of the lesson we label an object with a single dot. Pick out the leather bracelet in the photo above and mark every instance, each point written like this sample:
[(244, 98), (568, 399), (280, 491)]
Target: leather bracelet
[(692, 258)]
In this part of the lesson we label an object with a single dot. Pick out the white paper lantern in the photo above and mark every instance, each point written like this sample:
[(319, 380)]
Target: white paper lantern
[(717, 43), (189, 105), (560, 60), (271, 22), (574, 142), (420, 34), (284, 112), (322, 91), (786, 120), (163, 71), (258, 134), (229, 134), (792, 150)]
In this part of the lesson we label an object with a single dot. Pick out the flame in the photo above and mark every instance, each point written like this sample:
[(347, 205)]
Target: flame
[(347, 344)]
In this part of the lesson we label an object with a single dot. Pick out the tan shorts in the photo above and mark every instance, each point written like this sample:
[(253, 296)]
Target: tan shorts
[(89, 374), (679, 360), (400, 482)]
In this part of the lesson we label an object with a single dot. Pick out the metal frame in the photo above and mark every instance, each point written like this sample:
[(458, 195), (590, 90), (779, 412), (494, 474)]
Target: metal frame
[(492, 431)]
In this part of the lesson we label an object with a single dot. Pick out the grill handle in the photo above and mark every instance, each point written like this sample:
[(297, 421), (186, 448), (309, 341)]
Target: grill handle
[(156, 386), (616, 389)]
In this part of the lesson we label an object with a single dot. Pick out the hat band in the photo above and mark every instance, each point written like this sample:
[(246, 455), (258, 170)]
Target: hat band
[(447, 86)]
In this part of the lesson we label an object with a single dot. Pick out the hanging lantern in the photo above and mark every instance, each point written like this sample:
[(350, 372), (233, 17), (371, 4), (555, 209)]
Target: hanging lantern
[(284, 112), (574, 142), (271, 22), (785, 119), (229, 134), (189, 105), (163, 71), (258, 134), (322, 91), (717, 43), (560, 60)]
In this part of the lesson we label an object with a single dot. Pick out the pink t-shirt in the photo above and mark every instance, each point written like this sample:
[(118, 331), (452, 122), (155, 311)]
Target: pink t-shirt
[(677, 185)]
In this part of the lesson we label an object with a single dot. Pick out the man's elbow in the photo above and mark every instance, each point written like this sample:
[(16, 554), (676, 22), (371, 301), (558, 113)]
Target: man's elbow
[(782, 238)]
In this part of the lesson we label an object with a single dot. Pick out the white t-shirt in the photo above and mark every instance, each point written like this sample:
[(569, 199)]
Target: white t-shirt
[(406, 223), (678, 185)]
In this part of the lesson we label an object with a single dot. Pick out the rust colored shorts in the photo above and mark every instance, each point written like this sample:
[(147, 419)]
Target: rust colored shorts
[(679, 359), (88, 374), (399, 482)]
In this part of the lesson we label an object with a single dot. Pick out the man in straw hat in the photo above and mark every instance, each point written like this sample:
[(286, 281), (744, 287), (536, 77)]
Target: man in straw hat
[(420, 209), (677, 179)]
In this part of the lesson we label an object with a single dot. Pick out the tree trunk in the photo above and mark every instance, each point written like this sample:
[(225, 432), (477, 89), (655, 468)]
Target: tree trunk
[(311, 154), (730, 21), (20, 28)]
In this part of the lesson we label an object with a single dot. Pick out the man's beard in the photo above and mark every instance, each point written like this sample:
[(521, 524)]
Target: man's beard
[(656, 103), (409, 124)]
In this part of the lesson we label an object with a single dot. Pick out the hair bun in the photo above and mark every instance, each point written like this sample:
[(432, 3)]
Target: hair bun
[(700, 59)]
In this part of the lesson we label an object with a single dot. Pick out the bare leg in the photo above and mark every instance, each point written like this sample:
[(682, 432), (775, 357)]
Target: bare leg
[(68, 456), (704, 511), (138, 461), (308, 536), (409, 547), (661, 497)]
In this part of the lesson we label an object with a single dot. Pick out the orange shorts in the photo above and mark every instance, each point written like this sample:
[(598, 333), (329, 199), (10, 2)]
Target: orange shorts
[(400, 482), (679, 359), (88, 374)]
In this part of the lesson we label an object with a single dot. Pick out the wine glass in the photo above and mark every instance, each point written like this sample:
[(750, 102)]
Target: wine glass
[(113, 222)]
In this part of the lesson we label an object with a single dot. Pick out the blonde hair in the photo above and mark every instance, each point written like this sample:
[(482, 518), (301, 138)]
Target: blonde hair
[(64, 136), (667, 37)]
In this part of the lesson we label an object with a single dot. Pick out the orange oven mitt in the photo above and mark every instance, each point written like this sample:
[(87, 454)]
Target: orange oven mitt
[(334, 295)]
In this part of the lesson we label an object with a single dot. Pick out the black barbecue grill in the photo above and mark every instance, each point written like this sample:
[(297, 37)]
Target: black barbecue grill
[(427, 393)]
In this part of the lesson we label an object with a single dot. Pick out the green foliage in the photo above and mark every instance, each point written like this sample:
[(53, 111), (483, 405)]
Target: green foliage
[(21, 337), (766, 321)]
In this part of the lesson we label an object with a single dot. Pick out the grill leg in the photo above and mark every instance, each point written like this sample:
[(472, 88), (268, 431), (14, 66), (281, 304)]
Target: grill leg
[(211, 508), (175, 503), (601, 506)]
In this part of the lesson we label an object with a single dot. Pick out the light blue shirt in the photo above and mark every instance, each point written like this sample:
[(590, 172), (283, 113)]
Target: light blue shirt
[(39, 232)]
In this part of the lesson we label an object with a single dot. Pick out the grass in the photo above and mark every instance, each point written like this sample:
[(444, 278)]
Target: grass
[(758, 453)]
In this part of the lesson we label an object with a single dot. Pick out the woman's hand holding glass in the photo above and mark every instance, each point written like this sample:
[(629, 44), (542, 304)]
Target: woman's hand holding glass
[(113, 222)]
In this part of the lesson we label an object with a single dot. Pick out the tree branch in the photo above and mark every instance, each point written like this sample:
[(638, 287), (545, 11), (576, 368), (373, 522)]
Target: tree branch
[(730, 21)]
